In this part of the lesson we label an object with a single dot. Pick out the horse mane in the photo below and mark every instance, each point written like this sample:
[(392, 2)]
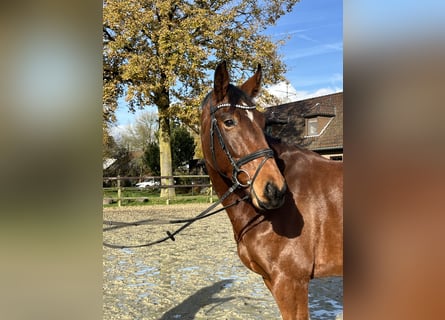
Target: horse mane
[(272, 140), (277, 141)]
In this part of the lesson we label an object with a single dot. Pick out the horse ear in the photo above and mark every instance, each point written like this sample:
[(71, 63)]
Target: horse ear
[(221, 82), (253, 84)]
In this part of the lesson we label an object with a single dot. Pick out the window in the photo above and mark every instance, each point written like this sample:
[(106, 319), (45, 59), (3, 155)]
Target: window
[(312, 127), (337, 158)]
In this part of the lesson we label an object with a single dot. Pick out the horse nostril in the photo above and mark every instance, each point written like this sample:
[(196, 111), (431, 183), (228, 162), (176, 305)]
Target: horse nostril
[(272, 191), (273, 196)]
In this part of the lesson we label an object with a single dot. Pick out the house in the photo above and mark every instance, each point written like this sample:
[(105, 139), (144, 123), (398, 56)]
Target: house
[(315, 124)]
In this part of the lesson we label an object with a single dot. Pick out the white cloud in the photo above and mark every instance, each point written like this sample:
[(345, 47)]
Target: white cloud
[(283, 91), (287, 93), (116, 131), (302, 95)]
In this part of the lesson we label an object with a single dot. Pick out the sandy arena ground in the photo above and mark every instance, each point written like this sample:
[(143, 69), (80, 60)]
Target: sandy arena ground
[(199, 276)]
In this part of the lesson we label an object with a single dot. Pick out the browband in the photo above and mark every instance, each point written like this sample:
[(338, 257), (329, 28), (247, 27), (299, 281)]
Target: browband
[(224, 105)]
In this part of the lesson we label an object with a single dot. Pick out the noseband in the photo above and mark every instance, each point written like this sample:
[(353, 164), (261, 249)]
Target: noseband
[(236, 165)]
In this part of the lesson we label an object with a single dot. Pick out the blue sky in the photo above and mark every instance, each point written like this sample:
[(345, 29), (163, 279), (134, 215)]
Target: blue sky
[(313, 54)]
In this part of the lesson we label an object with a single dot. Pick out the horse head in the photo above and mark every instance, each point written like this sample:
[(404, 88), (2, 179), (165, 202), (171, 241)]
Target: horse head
[(233, 140)]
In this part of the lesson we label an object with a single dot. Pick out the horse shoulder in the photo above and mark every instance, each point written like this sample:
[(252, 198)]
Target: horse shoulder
[(316, 185)]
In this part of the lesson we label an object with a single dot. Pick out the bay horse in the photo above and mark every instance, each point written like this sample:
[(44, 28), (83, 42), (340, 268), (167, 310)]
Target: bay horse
[(286, 203)]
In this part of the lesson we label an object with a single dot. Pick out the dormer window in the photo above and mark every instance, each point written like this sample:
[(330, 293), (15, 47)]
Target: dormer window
[(312, 126), (315, 126), (317, 119)]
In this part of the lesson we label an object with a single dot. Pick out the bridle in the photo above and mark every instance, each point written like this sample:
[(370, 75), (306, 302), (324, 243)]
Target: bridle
[(236, 165), (236, 184)]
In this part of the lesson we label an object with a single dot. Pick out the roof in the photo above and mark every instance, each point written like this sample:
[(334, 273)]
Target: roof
[(288, 121), (106, 163)]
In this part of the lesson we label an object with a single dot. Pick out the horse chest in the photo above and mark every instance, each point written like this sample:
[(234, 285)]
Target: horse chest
[(267, 252), (251, 259)]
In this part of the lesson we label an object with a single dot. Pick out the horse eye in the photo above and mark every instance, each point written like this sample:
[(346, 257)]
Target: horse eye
[(229, 123)]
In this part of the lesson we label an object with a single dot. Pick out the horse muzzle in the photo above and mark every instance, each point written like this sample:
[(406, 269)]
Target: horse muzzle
[(273, 197)]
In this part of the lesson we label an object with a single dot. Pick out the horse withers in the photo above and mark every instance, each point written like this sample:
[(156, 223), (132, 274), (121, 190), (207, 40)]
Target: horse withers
[(285, 202)]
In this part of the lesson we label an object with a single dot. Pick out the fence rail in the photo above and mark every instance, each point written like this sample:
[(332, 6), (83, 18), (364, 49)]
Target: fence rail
[(159, 182)]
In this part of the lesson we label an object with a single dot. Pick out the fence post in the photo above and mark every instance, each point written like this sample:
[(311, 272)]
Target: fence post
[(119, 191)]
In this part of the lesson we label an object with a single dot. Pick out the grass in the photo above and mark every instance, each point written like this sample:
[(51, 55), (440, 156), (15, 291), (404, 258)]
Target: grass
[(152, 197)]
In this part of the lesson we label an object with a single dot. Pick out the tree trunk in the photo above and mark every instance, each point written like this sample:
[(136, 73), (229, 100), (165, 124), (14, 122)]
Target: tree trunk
[(165, 152)]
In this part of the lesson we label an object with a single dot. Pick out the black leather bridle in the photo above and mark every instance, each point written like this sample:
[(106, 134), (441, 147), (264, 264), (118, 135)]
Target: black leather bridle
[(236, 165)]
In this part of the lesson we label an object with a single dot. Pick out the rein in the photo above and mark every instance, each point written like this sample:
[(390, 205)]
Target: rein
[(171, 235)]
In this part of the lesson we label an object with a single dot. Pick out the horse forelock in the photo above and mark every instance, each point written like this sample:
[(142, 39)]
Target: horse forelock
[(236, 95)]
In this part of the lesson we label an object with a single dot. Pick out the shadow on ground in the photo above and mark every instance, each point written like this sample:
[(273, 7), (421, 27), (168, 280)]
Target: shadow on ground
[(190, 306)]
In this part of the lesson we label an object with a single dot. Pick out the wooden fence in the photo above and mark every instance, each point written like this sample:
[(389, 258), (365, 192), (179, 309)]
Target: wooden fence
[(193, 183)]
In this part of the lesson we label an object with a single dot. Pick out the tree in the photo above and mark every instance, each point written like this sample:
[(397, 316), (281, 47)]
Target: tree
[(160, 52), (138, 135), (125, 165), (151, 158), (108, 143), (183, 146), (183, 149)]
